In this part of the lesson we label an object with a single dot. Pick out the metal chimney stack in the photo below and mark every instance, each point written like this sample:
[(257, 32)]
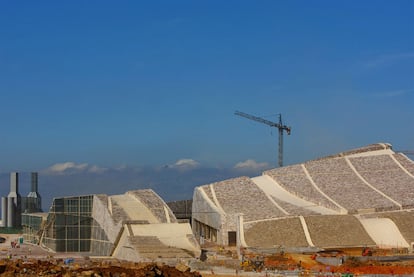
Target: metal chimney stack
[(34, 200), (14, 184), (4, 211), (14, 202), (34, 182)]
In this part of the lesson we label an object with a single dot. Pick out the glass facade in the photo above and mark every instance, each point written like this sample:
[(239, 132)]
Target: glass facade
[(69, 224), (68, 227), (100, 244)]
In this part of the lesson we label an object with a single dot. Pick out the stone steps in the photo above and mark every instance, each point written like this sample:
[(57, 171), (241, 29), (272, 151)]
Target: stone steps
[(151, 247)]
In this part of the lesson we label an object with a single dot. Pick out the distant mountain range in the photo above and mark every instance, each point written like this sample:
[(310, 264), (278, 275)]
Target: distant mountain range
[(171, 182)]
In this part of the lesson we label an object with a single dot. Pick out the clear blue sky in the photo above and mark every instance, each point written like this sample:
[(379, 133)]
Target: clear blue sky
[(141, 83)]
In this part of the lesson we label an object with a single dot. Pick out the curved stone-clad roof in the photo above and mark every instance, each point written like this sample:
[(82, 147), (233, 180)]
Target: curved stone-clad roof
[(292, 209), (125, 207), (287, 232), (405, 162), (155, 204), (361, 150), (117, 211), (340, 182), (366, 178), (149, 228), (241, 195), (330, 231), (323, 199), (294, 179), (370, 178), (383, 173)]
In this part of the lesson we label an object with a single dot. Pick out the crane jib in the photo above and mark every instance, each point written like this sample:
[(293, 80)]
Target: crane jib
[(279, 125)]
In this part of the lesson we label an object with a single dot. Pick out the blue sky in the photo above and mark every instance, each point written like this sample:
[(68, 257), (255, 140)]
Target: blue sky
[(136, 84)]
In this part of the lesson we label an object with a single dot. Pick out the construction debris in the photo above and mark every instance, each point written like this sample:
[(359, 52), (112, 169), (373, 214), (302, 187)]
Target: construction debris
[(59, 267)]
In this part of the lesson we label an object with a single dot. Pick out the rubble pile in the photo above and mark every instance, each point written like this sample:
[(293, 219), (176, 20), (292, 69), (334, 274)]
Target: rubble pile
[(90, 268)]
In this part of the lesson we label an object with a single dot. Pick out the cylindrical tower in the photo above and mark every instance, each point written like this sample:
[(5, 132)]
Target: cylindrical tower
[(14, 184), (4, 211), (10, 213), (14, 201)]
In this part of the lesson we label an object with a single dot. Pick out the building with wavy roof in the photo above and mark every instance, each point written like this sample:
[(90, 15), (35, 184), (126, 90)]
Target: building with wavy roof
[(357, 198), (136, 226)]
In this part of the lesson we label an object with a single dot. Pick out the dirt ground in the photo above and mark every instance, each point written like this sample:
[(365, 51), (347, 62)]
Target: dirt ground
[(403, 267), (32, 260), (56, 267), (307, 265)]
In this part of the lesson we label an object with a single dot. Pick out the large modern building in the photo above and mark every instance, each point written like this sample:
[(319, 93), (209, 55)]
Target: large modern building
[(353, 199), (358, 198), (135, 226)]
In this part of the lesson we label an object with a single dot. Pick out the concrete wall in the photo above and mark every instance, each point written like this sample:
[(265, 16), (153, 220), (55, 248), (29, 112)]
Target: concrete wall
[(205, 211), (124, 250), (101, 215), (384, 232)]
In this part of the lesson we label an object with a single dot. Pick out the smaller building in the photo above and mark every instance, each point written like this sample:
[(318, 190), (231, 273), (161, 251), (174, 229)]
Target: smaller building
[(13, 206), (135, 226), (182, 209)]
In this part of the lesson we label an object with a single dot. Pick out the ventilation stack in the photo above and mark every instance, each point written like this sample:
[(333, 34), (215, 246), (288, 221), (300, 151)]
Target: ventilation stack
[(4, 211), (14, 202), (34, 200)]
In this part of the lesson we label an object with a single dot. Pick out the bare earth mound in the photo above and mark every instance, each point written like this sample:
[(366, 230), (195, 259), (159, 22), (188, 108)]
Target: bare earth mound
[(58, 267)]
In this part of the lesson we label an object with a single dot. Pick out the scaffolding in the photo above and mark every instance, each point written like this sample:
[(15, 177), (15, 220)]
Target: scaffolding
[(32, 225)]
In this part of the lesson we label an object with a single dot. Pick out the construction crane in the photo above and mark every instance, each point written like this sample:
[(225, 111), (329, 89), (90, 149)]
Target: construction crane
[(279, 125)]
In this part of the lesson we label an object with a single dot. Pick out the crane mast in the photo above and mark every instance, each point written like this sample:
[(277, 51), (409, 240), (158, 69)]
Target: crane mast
[(278, 125)]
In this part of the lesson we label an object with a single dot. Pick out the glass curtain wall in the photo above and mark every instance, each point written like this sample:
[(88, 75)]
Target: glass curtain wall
[(69, 224)]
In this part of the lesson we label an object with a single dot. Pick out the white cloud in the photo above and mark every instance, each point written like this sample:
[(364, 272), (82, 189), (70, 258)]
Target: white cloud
[(71, 168), (251, 165), (185, 164), (61, 167)]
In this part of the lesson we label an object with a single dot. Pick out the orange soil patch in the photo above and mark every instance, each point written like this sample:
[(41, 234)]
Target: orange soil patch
[(397, 268)]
